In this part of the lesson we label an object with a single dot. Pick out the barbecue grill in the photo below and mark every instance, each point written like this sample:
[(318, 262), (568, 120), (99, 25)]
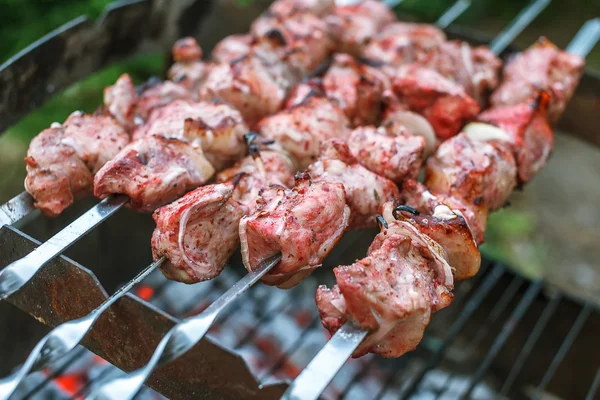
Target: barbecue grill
[(503, 334)]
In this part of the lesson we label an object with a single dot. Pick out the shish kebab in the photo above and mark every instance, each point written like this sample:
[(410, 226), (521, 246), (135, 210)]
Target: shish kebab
[(127, 385), (69, 235), (372, 307), (129, 109)]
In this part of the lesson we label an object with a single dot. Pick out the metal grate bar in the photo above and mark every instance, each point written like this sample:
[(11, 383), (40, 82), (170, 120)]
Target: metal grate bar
[(506, 331), (356, 377), (399, 367), (457, 326), (594, 388), (564, 348), (314, 324), (539, 327), (283, 307)]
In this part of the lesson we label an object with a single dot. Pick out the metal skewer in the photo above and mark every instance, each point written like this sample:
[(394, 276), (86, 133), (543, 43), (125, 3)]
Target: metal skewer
[(13, 277), (453, 13), (181, 338), (16, 208), (585, 39), (65, 337)]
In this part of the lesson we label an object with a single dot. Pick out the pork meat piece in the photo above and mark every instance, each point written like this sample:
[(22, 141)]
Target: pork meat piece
[(391, 292), (397, 121), (284, 9), (476, 171), (404, 43), (442, 102), (356, 88), (366, 192), (542, 66), (395, 157), (197, 233), (232, 47), (300, 130), (188, 69), (303, 90), (416, 195), (256, 85), (525, 128), (475, 69), (218, 128), (354, 26), (253, 173), (449, 229), (153, 171), (156, 94), (62, 160), (303, 224), (120, 100)]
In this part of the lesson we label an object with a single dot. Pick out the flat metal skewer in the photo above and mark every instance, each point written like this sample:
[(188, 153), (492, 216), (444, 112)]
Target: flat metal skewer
[(62, 339), (181, 338), (16, 208), (585, 39), (14, 276), (453, 13)]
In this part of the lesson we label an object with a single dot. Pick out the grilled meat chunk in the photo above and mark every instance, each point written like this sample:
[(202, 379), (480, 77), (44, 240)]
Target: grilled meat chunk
[(188, 69), (253, 173), (449, 229), (404, 43), (541, 67), (218, 128), (300, 130), (304, 224), (232, 47), (62, 160), (356, 88), (366, 192), (156, 94), (475, 69), (153, 171), (419, 197), (197, 233), (281, 10), (391, 292), (442, 102), (395, 157), (476, 171), (397, 121), (303, 90), (120, 100), (256, 84), (353, 26), (525, 128)]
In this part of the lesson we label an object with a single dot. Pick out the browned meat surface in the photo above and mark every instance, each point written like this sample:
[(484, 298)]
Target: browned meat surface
[(525, 127), (153, 171), (395, 157), (476, 69), (356, 88), (354, 26), (232, 47), (284, 9), (197, 233), (304, 224), (303, 90), (450, 230), (120, 100), (442, 102), (541, 67), (419, 197), (62, 160), (366, 192), (404, 43), (300, 130), (254, 174), (218, 128), (188, 69), (391, 292), (256, 85), (476, 171), (156, 94)]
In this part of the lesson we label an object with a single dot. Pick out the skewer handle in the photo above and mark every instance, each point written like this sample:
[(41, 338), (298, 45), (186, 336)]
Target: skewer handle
[(585, 39), (65, 337), (521, 21), (180, 338), (13, 277), (313, 380)]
